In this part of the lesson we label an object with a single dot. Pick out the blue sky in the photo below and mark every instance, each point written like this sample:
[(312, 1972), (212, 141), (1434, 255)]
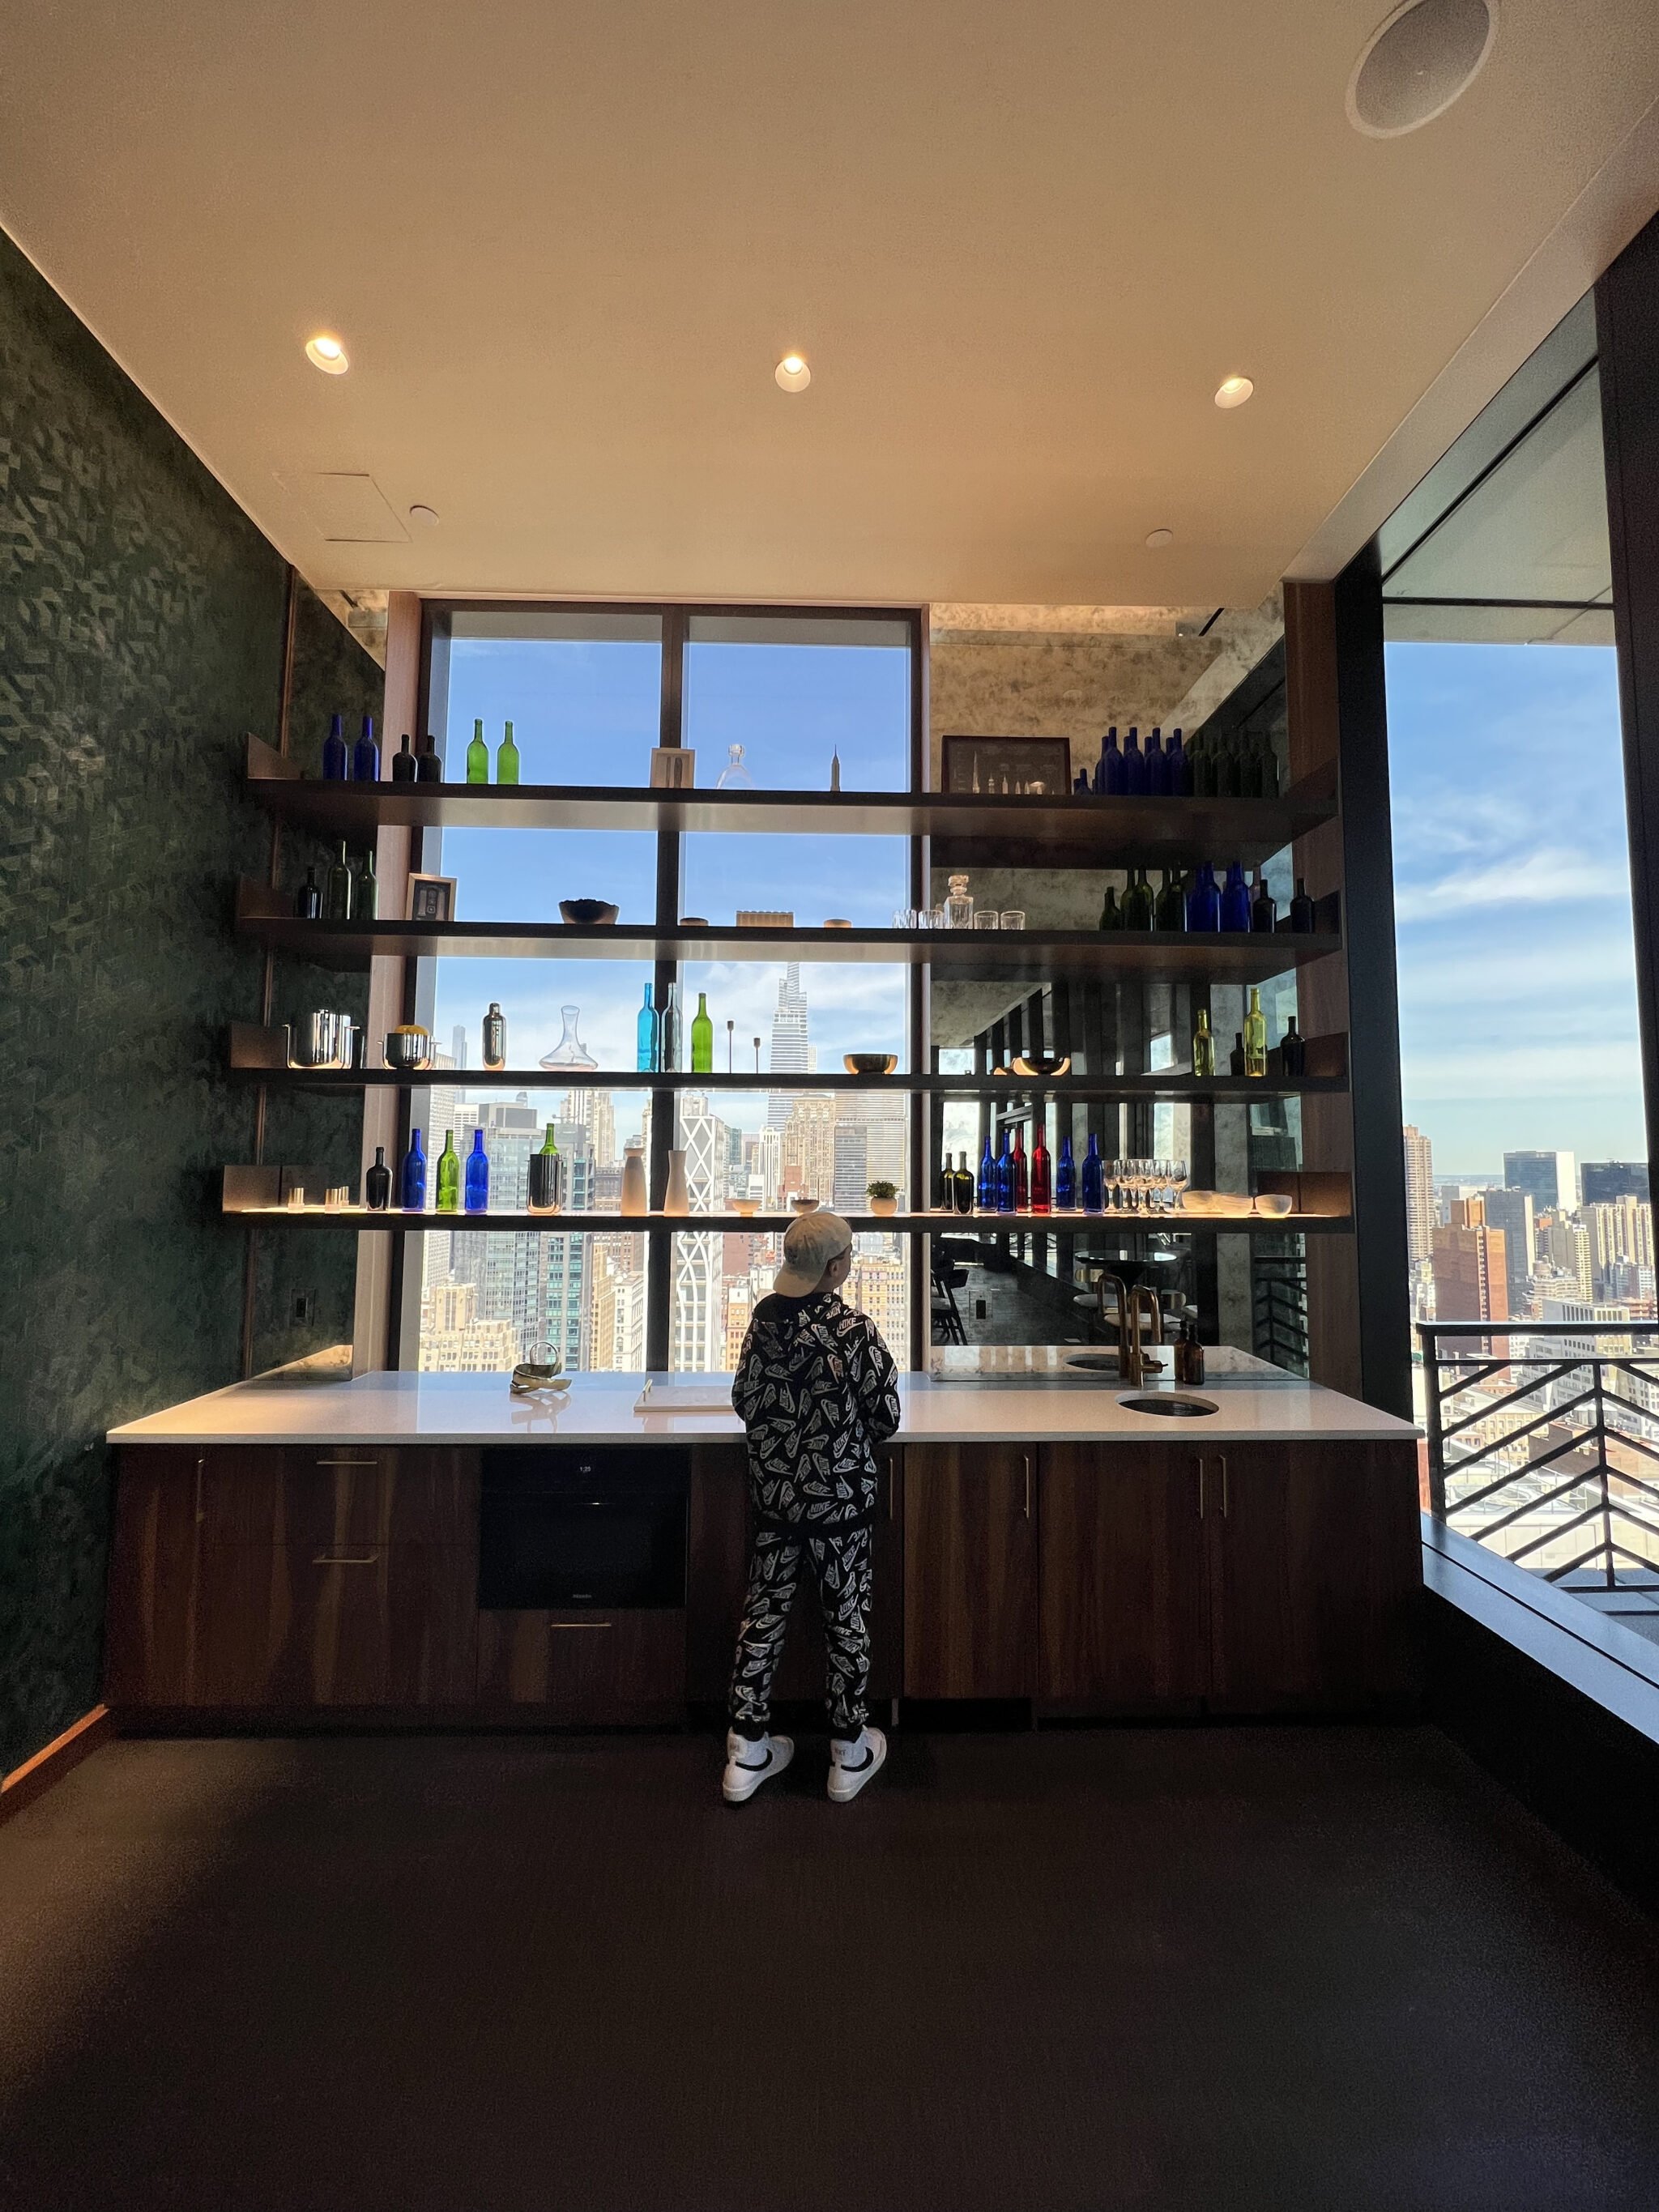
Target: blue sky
[(1517, 992), (588, 713)]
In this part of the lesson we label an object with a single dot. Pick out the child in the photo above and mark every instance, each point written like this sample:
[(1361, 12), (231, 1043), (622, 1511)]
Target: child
[(817, 1390)]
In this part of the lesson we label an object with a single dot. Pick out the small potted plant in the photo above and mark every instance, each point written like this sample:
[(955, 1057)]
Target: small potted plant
[(882, 1196)]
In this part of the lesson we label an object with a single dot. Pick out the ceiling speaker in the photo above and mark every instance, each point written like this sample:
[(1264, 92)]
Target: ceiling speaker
[(1417, 62)]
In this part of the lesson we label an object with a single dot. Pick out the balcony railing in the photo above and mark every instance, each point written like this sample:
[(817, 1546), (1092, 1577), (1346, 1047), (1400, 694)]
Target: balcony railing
[(1544, 1446)]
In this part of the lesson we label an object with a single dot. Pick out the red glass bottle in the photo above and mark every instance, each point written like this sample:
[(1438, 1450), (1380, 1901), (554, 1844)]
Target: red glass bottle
[(1019, 1176), (1042, 1175)]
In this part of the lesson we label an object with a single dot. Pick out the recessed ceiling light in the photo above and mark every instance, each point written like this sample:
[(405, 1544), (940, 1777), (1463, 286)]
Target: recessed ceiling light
[(325, 351), (427, 516), (1233, 391), (793, 373), (1158, 538), (1417, 61)]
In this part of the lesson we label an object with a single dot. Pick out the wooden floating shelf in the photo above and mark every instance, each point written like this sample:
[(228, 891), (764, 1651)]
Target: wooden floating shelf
[(969, 828), (963, 955), (257, 1054), (738, 1225)]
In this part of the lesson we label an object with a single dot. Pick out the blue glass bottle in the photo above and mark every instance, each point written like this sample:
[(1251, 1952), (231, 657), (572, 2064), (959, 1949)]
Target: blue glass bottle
[(1134, 767), (646, 1034), (1065, 1179), (476, 1198), (337, 762), (988, 1181), (411, 1185), (1177, 766), (1005, 1178), (1082, 783), (1093, 1177), (366, 755), (1109, 768), (1204, 899), (1157, 767), (1235, 900)]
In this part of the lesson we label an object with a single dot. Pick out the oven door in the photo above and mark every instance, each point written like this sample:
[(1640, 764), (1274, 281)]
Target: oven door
[(570, 1528)]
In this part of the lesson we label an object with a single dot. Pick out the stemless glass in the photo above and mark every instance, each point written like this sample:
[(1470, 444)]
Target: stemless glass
[(986, 917), (1013, 917)]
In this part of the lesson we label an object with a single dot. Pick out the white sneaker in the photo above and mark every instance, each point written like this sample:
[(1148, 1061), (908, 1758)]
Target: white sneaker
[(748, 1764), (853, 1765)]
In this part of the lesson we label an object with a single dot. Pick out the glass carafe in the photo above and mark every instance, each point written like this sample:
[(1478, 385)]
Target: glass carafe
[(570, 1051), (735, 776), (958, 906)]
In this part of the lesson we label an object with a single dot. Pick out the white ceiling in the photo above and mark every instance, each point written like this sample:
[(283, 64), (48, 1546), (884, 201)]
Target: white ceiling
[(1020, 247)]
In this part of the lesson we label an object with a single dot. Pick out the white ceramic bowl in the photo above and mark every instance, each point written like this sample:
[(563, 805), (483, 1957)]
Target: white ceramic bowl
[(1275, 1202)]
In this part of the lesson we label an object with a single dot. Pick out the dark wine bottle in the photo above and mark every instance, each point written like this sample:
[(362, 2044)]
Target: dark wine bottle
[(1157, 767), (1093, 1177), (964, 1185), (337, 893), (1109, 768), (404, 765), (1250, 768), (547, 1176), (1235, 900), (336, 760), (428, 767), (1170, 912), (366, 892), (1138, 902), (1302, 917), (1135, 766), (377, 1183), (308, 899), (366, 755), (1293, 1051), (1065, 1178), (1227, 780), (1111, 914), (1236, 1058), (1264, 915)]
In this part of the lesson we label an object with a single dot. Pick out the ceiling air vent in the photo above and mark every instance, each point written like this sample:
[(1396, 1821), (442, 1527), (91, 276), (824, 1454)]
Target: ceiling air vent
[(347, 510), (1417, 62)]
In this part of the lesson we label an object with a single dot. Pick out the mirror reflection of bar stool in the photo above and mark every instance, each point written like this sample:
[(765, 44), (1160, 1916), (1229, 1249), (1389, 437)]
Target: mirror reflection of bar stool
[(947, 1322)]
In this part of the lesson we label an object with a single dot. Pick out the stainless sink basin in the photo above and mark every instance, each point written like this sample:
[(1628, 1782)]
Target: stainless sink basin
[(1181, 1409)]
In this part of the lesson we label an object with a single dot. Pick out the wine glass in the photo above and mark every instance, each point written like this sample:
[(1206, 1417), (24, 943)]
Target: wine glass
[(1178, 1182)]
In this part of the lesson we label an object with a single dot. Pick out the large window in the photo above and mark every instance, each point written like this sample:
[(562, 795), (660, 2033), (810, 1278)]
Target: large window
[(767, 703)]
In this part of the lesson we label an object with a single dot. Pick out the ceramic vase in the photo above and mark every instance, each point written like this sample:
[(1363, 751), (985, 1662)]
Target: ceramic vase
[(634, 1198), (677, 1199)]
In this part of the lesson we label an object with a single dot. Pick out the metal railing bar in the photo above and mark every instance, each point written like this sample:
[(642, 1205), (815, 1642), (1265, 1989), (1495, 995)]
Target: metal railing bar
[(1532, 1505), (1542, 1421), (1553, 1373)]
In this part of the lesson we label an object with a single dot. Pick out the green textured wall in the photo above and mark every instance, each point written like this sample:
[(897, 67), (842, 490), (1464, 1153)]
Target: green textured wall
[(141, 635)]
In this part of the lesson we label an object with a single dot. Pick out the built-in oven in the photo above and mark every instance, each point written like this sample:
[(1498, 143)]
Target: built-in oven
[(562, 1525)]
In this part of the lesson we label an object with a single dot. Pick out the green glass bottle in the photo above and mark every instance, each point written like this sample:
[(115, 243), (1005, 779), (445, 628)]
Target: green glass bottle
[(507, 759), (1138, 902), (366, 892), (336, 891), (449, 1175), (477, 757), (1170, 912), (1203, 1045), (1111, 914), (702, 1038), (1255, 1037), (1202, 754)]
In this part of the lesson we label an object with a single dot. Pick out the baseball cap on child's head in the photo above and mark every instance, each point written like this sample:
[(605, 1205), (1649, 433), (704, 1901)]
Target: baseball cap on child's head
[(812, 1242)]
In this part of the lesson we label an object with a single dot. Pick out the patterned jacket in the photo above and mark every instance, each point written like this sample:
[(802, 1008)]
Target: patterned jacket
[(816, 1390)]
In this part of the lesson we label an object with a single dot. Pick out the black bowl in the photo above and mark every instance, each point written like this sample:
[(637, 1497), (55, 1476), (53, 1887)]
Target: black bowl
[(587, 912)]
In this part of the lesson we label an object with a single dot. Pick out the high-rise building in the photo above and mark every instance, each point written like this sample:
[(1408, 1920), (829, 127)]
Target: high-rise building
[(1471, 1279), (1550, 1179), (1619, 1229), (1511, 1211), (1606, 1179), (792, 1052), (1565, 1241), (1420, 1199), (808, 1168)]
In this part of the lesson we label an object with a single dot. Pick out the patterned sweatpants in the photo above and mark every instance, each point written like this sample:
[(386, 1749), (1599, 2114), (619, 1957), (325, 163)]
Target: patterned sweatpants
[(841, 1564)]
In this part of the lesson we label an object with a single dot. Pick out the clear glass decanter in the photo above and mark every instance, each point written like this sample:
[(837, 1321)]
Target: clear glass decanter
[(570, 1051), (958, 906), (734, 776)]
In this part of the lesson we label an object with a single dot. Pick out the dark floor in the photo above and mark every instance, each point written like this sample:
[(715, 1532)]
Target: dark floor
[(1203, 1969)]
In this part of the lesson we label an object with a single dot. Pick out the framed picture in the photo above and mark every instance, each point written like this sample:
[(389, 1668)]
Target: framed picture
[(1008, 767), (431, 899), (673, 768)]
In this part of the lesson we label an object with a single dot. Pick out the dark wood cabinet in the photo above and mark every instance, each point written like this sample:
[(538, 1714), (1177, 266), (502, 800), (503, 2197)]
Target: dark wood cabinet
[(149, 1615), (1316, 1575), (584, 1667), (1124, 1605), (970, 1571)]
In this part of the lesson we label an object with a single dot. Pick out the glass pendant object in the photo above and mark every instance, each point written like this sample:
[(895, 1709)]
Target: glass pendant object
[(570, 1051)]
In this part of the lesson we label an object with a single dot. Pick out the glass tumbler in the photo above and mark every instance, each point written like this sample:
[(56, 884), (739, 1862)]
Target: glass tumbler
[(1013, 917)]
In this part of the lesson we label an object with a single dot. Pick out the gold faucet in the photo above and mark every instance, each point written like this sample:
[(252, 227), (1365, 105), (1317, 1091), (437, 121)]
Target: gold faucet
[(1132, 1360)]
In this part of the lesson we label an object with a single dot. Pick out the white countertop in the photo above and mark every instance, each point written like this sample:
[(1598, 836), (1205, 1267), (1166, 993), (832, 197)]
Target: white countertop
[(1012, 1402)]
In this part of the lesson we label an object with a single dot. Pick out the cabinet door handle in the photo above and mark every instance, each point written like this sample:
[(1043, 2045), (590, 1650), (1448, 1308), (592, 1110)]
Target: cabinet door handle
[(892, 1487), (1221, 1462), (345, 1559), (1025, 1461), (1198, 1468), (553, 1624), (348, 1462)]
